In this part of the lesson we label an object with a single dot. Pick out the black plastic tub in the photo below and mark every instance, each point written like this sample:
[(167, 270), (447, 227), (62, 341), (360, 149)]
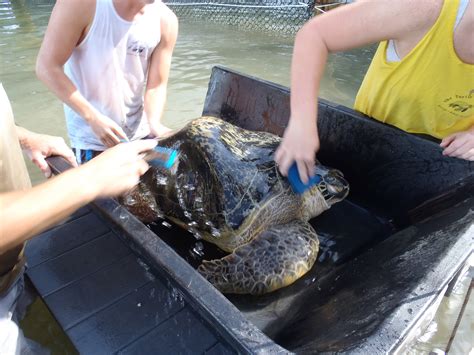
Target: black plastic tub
[(387, 251)]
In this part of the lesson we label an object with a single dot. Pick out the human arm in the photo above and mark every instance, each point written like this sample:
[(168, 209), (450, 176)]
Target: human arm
[(68, 25), (40, 146), (350, 26), (459, 145), (26, 213), (158, 74)]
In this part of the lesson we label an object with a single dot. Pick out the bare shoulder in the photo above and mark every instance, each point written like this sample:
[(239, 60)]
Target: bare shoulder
[(370, 21), (412, 15), (80, 10), (424, 13), (169, 21), (68, 23), (426, 7)]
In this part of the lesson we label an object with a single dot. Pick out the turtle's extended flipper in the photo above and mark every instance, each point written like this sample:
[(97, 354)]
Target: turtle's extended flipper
[(276, 258)]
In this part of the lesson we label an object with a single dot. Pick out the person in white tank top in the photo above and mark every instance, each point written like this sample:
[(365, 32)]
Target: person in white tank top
[(109, 62)]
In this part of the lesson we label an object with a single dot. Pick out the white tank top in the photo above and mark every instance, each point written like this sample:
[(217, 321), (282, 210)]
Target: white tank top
[(109, 68)]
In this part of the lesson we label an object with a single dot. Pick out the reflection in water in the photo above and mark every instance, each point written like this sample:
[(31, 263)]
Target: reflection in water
[(452, 326)]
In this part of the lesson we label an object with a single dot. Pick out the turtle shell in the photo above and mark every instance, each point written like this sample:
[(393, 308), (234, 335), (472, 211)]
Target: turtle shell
[(223, 173)]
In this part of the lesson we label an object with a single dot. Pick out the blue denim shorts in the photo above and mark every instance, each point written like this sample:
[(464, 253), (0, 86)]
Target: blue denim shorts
[(84, 155)]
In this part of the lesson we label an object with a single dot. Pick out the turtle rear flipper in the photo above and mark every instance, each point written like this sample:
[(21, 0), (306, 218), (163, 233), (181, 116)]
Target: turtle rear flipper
[(274, 259)]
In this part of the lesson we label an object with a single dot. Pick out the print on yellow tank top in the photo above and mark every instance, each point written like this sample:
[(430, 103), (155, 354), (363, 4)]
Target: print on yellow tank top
[(429, 91)]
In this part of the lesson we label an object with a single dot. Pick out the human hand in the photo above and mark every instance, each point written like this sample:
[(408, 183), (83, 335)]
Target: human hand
[(459, 145), (108, 131), (117, 169), (160, 131), (40, 146), (300, 143)]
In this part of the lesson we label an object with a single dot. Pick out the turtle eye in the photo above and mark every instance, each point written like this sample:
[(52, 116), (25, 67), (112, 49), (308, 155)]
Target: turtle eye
[(333, 180), (337, 172), (337, 186)]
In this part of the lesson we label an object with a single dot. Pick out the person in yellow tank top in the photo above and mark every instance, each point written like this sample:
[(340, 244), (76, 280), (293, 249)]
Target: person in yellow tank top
[(421, 78)]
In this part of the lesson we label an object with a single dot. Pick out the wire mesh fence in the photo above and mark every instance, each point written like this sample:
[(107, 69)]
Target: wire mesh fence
[(273, 16)]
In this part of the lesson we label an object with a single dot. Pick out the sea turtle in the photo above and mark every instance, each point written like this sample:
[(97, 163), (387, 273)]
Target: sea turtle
[(227, 190)]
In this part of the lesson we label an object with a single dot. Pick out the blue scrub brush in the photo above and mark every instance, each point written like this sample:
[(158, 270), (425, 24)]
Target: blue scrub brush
[(296, 184), (162, 157)]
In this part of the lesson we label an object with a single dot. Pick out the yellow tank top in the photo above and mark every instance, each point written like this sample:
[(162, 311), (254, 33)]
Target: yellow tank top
[(429, 91)]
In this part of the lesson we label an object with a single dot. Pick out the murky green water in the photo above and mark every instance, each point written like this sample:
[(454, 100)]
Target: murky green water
[(199, 48)]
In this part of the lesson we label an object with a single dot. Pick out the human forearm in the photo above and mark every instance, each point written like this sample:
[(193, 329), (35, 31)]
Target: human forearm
[(309, 60), (300, 140), (67, 27), (154, 106), (158, 73), (51, 73), (58, 82), (26, 213)]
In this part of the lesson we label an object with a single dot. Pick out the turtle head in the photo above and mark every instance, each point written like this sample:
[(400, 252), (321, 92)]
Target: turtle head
[(331, 188)]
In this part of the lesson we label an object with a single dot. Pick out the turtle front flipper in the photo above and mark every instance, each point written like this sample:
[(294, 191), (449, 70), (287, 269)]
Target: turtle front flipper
[(274, 259)]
